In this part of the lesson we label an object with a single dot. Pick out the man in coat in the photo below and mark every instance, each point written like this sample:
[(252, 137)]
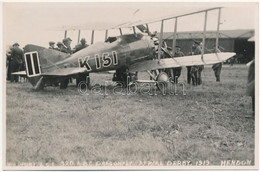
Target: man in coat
[(189, 74), (198, 51), (66, 48), (80, 46), (16, 61), (177, 70), (217, 67), (51, 43), (60, 46), (8, 63), (251, 83)]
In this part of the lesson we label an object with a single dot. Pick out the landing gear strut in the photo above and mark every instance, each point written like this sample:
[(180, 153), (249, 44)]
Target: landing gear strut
[(64, 84), (83, 78), (124, 77)]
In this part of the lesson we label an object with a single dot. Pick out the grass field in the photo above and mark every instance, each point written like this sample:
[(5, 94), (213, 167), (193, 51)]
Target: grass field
[(65, 127)]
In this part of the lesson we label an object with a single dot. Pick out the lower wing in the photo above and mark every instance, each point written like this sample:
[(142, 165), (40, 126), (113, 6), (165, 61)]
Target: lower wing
[(21, 73), (180, 61), (65, 72), (57, 72)]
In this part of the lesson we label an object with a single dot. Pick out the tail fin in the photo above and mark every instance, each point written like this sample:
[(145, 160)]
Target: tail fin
[(39, 60)]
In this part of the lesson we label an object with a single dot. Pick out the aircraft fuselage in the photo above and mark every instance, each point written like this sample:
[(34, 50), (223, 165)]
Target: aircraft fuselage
[(119, 53)]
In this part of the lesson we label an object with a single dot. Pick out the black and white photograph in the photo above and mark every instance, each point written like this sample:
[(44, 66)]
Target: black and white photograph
[(130, 85)]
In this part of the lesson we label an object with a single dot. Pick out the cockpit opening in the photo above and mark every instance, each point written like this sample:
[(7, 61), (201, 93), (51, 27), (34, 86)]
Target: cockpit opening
[(111, 39)]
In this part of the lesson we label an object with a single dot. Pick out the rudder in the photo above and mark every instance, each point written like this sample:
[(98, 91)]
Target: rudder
[(39, 60)]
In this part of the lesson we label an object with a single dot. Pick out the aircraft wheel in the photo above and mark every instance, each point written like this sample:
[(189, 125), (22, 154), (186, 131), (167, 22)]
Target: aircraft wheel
[(162, 81)]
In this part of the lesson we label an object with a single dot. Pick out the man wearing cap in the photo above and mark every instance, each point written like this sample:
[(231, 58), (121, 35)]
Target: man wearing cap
[(189, 73), (67, 48), (80, 46), (250, 91), (198, 51), (51, 43), (8, 63), (59, 46), (177, 70), (217, 67), (16, 60)]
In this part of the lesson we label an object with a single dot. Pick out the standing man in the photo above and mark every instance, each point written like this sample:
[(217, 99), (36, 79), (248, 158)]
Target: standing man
[(80, 46), (217, 67), (251, 82), (82, 77), (51, 43), (156, 44), (177, 70), (67, 48), (189, 75), (60, 46), (194, 75), (198, 51), (8, 64), (17, 62)]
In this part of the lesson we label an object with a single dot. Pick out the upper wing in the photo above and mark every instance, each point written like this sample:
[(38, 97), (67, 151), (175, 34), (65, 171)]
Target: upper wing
[(142, 17), (147, 20), (180, 61)]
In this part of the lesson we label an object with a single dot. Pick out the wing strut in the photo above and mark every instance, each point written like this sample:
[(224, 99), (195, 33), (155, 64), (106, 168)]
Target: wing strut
[(160, 41), (134, 31), (204, 36), (92, 37), (174, 37), (78, 36), (217, 36), (106, 35), (120, 30), (65, 34), (148, 31)]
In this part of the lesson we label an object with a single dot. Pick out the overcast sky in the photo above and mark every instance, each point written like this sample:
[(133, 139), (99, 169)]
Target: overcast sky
[(39, 23)]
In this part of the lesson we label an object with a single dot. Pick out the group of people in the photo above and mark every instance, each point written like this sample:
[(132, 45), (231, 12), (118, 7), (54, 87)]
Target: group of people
[(65, 45), (15, 60), (194, 72)]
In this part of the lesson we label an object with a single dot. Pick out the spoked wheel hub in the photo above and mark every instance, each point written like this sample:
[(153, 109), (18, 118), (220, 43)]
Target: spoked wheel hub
[(162, 81)]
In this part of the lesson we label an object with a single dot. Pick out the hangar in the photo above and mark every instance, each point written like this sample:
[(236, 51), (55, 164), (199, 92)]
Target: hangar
[(229, 41)]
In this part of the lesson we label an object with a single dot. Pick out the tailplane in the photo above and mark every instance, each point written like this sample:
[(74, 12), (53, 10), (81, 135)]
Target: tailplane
[(39, 60)]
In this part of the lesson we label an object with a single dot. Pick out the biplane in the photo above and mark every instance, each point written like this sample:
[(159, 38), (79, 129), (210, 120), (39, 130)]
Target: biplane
[(126, 53)]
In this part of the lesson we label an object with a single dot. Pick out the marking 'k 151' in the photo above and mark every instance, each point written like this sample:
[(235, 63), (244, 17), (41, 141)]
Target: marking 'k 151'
[(104, 61)]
